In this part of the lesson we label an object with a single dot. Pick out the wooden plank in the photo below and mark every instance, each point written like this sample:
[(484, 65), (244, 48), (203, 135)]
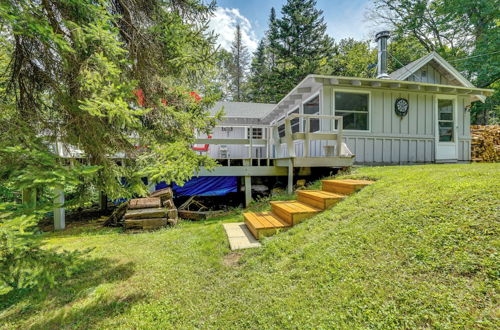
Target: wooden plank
[(146, 213), (163, 193), (145, 203)]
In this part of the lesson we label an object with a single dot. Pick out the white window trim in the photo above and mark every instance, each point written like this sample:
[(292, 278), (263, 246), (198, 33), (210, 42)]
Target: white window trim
[(355, 91), (455, 118), (319, 94)]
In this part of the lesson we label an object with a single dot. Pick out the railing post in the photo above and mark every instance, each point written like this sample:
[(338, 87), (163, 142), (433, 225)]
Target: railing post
[(339, 136), (307, 130), (276, 141), (289, 138), (250, 143)]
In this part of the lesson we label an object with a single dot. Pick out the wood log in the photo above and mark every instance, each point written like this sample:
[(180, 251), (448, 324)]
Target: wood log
[(146, 213), (485, 143), (146, 223), (172, 213), (145, 203), (164, 194), (115, 219), (169, 204)]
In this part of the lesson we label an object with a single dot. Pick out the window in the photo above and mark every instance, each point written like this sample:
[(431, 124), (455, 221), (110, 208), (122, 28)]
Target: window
[(281, 130), (445, 120), (312, 108), (257, 133), (354, 108), (295, 122)]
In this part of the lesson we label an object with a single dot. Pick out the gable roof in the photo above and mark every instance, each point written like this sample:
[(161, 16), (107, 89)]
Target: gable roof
[(242, 109), (432, 58)]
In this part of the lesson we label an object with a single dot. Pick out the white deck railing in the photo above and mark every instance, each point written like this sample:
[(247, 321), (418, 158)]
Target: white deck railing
[(284, 146)]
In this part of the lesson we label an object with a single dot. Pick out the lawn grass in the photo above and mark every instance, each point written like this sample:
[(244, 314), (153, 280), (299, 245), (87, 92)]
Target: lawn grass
[(419, 248)]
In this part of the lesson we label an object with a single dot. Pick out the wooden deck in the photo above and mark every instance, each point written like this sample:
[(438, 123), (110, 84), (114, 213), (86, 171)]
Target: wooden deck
[(285, 214)]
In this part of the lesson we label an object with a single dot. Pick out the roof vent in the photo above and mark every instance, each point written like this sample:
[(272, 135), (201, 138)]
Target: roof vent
[(381, 38)]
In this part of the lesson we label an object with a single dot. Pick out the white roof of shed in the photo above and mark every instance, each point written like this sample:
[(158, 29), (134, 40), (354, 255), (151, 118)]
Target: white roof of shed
[(243, 109)]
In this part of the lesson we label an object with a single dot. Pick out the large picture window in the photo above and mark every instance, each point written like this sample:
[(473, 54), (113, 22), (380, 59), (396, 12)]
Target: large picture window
[(312, 108), (353, 107)]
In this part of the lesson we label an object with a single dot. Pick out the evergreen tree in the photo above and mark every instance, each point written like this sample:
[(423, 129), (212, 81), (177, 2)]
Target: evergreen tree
[(302, 46), (296, 45), (240, 64), (69, 73), (259, 72)]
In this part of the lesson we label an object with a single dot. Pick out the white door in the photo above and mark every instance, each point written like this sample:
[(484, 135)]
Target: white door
[(446, 129)]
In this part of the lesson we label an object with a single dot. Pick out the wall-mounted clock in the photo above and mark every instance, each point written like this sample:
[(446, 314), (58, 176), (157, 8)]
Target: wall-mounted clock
[(401, 107)]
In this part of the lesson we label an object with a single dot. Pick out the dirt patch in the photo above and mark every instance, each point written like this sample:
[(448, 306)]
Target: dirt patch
[(232, 259)]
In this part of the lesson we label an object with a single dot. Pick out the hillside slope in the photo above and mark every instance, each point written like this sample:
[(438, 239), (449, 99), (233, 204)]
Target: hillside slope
[(419, 248)]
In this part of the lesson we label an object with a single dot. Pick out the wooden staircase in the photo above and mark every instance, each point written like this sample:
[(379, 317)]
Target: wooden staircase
[(285, 214)]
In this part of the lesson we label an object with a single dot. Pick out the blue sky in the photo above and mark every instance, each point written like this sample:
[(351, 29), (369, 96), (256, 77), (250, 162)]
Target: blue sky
[(345, 18)]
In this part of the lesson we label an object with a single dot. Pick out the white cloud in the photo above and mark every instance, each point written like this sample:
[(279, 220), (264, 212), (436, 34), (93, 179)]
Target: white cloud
[(224, 24)]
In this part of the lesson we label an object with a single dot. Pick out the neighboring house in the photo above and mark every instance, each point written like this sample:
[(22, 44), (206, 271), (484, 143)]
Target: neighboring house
[(417, 114)]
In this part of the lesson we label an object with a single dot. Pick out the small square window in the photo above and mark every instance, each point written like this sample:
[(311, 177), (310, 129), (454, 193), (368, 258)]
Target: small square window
[(257, 133)]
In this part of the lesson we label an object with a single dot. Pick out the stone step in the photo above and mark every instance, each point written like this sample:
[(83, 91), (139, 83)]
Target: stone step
[(318, 198), (344, 187), (293, 212), (263, 224)]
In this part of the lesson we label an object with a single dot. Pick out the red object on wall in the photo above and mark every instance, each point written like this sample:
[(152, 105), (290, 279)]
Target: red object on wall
[(204, 148)]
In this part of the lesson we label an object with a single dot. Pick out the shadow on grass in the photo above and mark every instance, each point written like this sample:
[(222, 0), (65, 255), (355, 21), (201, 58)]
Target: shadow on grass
[(83, 298)]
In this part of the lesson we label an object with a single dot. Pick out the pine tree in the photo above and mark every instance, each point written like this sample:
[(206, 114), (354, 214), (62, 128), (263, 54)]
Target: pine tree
[(240, 64), (295, 45), (258, 74), (302, 45)]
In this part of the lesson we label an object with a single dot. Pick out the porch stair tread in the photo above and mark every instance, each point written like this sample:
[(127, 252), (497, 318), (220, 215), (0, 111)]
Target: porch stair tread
[(320, 194), (265, 220), (294, 207), (264, 223), (349, 182)]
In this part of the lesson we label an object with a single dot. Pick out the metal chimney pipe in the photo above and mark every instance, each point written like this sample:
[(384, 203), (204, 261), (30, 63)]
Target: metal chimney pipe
[(381, 38)]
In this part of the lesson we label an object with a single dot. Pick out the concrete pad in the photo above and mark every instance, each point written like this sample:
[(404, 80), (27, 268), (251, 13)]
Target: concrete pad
[(239, 236)]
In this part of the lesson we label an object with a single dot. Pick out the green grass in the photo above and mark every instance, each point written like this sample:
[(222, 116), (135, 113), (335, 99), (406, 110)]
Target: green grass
[(417, 249)]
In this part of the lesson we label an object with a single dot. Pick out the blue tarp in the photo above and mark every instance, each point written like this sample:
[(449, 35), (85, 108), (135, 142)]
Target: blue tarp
[(204, 186)]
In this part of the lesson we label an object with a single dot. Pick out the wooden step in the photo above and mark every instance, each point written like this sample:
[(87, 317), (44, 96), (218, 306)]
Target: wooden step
[(146, 213), (344, 187), (263, 223), (318, 198), (293, 212)]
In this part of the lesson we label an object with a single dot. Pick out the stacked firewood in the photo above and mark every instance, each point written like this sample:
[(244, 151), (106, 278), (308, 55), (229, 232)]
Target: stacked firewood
[(485, 145), (156, 211)]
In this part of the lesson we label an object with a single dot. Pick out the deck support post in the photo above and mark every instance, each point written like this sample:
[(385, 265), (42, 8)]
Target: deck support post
[(248, 190), (248, 184), (59, 212), (289, 187)]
